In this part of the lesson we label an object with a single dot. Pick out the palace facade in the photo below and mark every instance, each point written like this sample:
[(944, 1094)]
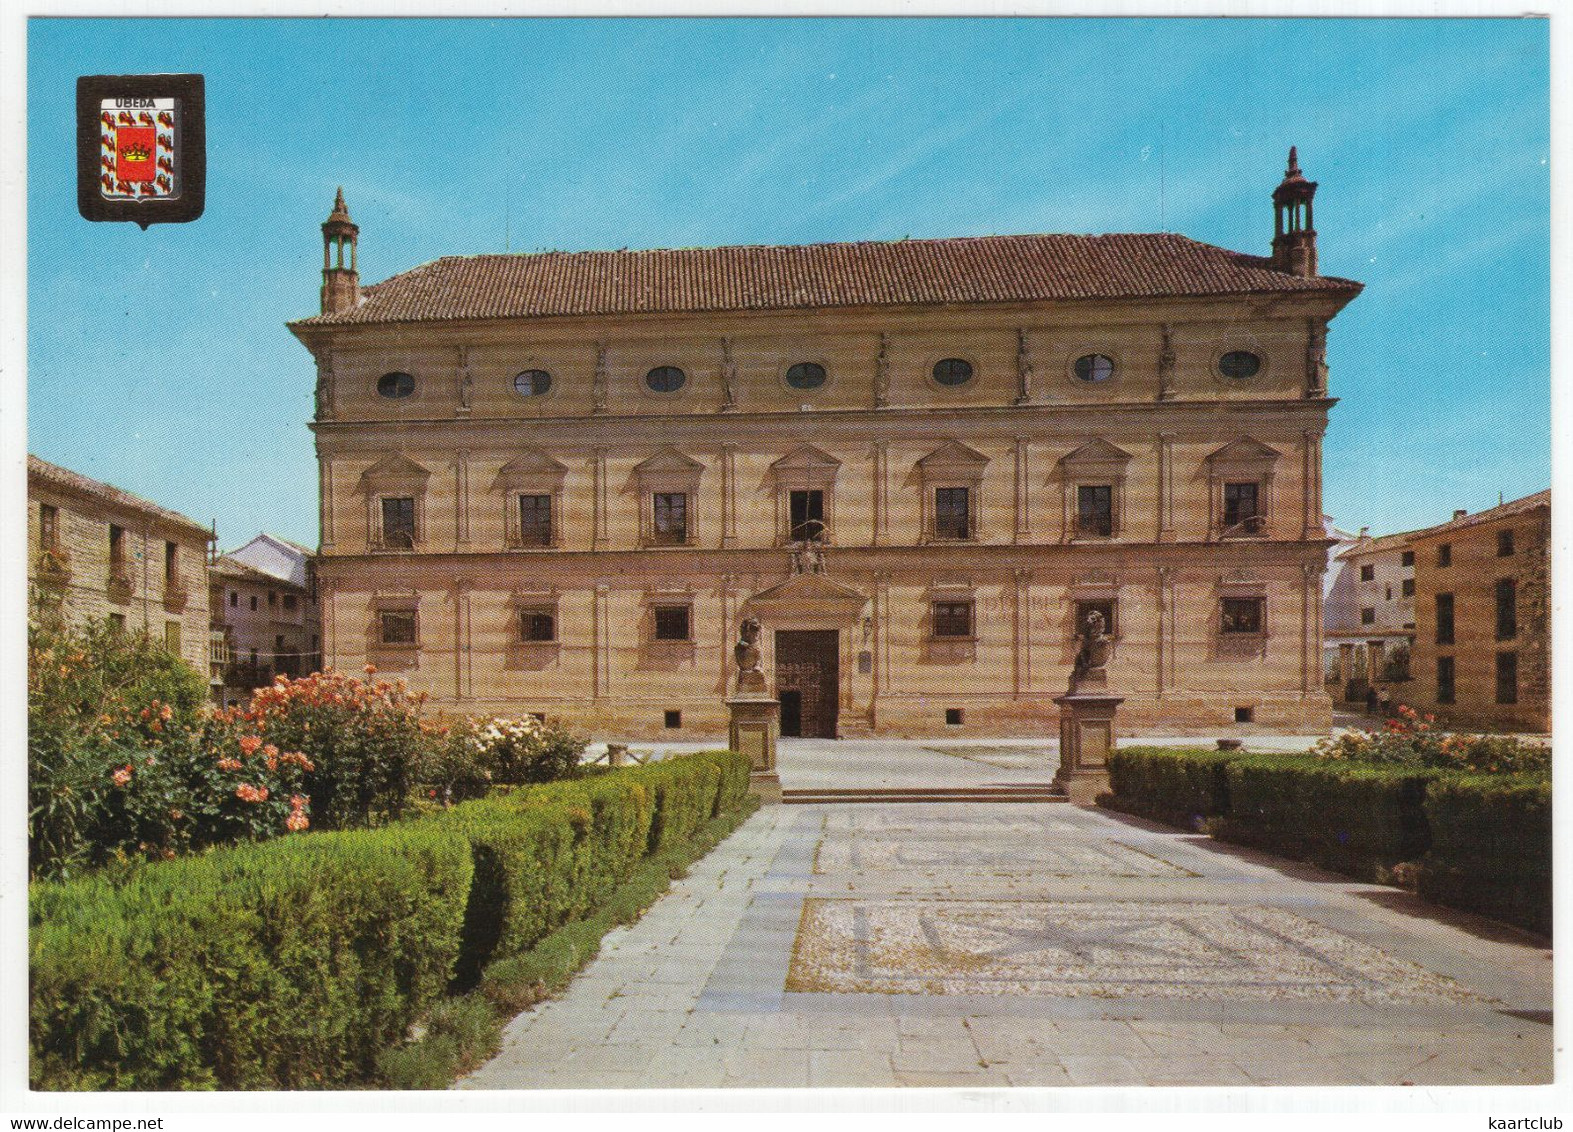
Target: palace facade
[(557, 482)]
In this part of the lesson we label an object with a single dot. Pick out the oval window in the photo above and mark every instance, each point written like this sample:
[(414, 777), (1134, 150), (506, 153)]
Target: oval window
[(1094, 367), (1239, 364), (532, 383), (395, 385), (953, 371), (665, 379), (806, 375)]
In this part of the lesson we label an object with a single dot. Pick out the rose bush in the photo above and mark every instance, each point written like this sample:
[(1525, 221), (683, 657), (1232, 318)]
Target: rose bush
[(1413, 739), (126, 760)]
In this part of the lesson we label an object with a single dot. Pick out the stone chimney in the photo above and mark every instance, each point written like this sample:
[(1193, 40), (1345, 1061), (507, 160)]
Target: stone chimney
[(1459, 514), (340, 281), (1294, 235)]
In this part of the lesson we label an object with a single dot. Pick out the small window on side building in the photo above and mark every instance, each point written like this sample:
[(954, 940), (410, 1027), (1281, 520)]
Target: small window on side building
[(1505, 544)]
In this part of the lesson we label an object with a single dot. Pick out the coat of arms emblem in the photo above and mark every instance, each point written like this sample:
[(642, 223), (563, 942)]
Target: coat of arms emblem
[(141, 148), (137, 137)]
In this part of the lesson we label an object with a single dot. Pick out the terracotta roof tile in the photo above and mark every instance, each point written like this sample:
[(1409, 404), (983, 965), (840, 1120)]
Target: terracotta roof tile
[(1504, 511), (978, 269), (54, 474)]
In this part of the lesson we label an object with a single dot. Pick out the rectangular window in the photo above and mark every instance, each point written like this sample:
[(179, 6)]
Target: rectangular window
[(1368, 573), (171, 566), (1242, 508), (48, 527), (537, 625), (1367, 616), (1507, 609), (1444, 619), (1095, 510), (535, 520), (289, 603), (1407, 558), (671, 518), (1103, 606), (1504, 544), (953, 512), (234, 599), (117, 548), (253, 603), (172, 636), (1444, 679), (1407, 588), (807, 514), (1444, 554), (398, 522), (953, 619), (273, 599), (1242, 615), (117, 622), (671, 622), (397, 626), (672, 719), (1507, 677)]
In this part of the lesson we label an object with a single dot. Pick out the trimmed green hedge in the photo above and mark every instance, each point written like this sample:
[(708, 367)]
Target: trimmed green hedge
[(1179, 786), (1360, 820), (1483, 842), (282, 965), (292, 964), (1490, 847)]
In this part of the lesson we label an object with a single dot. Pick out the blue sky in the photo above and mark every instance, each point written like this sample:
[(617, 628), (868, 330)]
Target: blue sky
[(159, 360)]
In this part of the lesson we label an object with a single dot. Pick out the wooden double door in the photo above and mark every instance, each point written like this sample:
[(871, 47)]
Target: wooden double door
[(807, 681)]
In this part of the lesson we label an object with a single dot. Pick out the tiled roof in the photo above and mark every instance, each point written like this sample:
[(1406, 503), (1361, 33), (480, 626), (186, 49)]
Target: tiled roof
[(235, 568), (54, 474), (977, 269), (1505, 511), (1370, 545)]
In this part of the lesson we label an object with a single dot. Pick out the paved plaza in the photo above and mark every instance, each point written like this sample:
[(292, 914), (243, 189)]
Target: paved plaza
[(997, 944)]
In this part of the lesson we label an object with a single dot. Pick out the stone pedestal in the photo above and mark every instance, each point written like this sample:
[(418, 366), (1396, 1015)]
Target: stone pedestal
[(1086, 738), (755, 726)]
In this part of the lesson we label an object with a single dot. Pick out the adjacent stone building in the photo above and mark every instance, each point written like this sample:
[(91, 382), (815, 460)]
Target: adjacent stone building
[(1482, 654), (264, 602), (96, 551), (557, 482), (1370, 618)]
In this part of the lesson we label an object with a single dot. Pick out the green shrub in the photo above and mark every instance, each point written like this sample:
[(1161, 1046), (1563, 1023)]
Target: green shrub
[(101, 701), (685, 789), (1180, 786), (1355, 819), (284, 965), (1491, 847)]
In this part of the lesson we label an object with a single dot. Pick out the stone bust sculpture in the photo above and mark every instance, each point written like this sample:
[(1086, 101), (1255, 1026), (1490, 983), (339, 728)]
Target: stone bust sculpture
[(1092, 656), (750, 670)]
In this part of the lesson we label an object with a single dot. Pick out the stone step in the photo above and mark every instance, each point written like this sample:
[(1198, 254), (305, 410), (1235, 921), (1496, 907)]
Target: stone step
[(1023, 792)]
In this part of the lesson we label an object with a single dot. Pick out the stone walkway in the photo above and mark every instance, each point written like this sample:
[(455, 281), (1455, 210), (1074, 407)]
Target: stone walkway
[(1042, 945)]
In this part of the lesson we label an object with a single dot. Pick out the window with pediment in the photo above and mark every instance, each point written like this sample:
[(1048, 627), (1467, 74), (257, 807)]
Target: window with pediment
[(1240, 477), (1093, 481), (668, 484), (952, 477), (395, 489), (805, 484), (531, 485)]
